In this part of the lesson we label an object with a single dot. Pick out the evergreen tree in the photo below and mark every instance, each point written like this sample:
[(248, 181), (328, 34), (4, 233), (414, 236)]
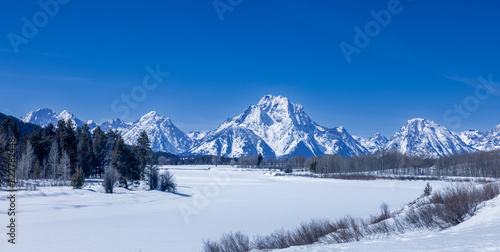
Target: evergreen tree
[(259, 159), (126, 163), (68, 142), (427, 190), (78, 178), (152, 176), (144, 152), (84, 150), (4, 173), (99, 151), (111, 137)]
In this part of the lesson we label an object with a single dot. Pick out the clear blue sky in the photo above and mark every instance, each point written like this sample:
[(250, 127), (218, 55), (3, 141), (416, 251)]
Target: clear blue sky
[(425, 60)]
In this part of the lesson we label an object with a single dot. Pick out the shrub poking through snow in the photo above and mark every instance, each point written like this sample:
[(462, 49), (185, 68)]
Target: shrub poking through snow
[(109, 179), (236, 242), (167, 182), (444, 209), (78, 179)]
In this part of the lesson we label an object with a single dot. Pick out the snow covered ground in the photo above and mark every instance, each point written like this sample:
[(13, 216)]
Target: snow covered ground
[(210, 202), (479, 233)]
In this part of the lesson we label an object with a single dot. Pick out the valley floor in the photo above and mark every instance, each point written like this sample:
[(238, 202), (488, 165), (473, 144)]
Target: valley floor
[(210, 202)]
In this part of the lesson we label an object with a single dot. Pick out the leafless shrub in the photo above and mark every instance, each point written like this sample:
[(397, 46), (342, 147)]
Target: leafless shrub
[(237, 242), (384, 214), (442, 209), (109, 179), (167, 182)]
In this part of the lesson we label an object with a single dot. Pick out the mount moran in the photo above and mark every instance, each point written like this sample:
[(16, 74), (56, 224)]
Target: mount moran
[(276, 127)]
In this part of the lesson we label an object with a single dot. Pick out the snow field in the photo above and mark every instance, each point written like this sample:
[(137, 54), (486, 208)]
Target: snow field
[(210, 202)]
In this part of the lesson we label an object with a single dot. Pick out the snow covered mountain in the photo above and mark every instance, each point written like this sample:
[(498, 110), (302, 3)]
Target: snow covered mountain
[(232, 142), (424, 137), (197, 135), (277, 127), (373, 143), (162, 133), (45, 116), (486, 141), (470, 137), (115, 124)]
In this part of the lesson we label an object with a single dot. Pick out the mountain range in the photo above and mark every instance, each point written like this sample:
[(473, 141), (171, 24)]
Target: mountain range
[(275, 127)]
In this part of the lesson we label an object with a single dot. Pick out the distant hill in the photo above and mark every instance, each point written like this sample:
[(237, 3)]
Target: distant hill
[(24, 128)]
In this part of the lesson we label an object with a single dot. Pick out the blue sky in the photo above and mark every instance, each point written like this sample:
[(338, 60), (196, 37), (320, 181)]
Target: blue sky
[(423, 62)]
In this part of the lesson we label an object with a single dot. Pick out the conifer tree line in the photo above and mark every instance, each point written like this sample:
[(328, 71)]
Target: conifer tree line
[(65, 152)]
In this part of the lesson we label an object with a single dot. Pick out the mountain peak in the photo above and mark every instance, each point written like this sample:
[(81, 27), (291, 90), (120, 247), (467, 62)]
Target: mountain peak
[(424, 137), (65, 113), (46, 116), (153, 115), (418, 120), (272, 99)]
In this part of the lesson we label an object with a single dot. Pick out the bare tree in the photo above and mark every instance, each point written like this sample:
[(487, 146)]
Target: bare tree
[(64, 166), (53, 159), (26, 162)]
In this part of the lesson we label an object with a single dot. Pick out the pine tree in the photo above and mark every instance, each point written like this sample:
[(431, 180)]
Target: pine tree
[(144, 152), (126, 163), (68, 141), (84, 150), (259, 159), (111, 137), (152, 175), (78, 178), (99, 151), (427, 190), (3, 162)]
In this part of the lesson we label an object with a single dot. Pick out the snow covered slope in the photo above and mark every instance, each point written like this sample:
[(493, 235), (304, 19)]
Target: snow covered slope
[(424, 137), (162, 133), (232, 142), (374, 143), (281, 125), (115, 124), (479, 233), (470, 137), (487, 141)]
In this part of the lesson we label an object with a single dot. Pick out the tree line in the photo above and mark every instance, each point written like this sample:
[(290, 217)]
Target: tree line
[(65, 153), (476, 164)]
